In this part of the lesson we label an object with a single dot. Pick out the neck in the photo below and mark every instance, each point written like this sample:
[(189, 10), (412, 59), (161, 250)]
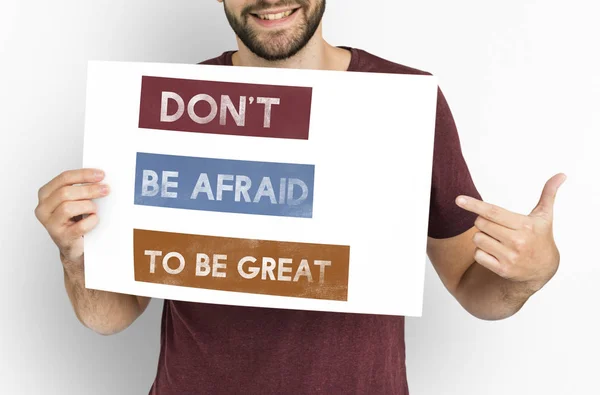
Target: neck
[(316, 55)]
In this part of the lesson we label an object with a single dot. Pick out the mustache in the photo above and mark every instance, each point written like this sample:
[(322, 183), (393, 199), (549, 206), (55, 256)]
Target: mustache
[(262, 5)]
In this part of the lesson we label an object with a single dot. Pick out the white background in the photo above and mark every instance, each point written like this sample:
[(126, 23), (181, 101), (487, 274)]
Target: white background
[(522, 79)]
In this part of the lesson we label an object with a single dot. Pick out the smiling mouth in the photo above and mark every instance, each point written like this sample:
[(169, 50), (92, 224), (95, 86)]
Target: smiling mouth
[(275, 17)]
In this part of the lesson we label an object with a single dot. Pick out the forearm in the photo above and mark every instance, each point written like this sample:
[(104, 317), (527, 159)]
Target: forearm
[(103, 312), (488, 296)]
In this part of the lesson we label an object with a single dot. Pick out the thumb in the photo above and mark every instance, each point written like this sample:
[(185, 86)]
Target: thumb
[(545, 205)]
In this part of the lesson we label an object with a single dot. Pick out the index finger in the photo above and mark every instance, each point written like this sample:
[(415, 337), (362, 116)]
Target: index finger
[(491, 212), (70, 177)]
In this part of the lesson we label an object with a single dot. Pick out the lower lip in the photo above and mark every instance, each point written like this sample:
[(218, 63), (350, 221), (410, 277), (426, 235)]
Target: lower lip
[(275, 22)]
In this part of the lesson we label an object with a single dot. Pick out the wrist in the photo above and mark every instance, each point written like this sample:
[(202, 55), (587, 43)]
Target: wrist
[(73, 268)]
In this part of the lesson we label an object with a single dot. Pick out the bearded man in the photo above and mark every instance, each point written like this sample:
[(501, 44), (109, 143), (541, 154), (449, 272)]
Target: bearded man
[(490, 259)]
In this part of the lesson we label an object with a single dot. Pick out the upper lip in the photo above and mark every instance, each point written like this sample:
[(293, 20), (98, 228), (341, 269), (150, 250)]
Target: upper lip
[(275, 11)]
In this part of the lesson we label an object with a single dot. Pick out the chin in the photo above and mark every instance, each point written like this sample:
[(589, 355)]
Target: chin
[(277, 46)]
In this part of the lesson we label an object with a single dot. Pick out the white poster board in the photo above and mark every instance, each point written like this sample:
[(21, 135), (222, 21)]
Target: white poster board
[(295, 189)]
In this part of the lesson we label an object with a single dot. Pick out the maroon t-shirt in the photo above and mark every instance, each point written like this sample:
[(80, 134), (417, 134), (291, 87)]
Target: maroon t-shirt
[(216, 349)]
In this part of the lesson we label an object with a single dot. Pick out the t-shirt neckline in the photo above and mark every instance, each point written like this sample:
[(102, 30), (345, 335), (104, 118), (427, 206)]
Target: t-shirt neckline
[(353, 66)]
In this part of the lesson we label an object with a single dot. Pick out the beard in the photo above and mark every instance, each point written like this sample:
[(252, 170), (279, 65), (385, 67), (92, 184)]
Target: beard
[(279, 44)]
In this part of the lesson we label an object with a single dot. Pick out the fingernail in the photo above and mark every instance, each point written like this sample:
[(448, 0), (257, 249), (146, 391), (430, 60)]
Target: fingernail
[(461, 201), (104, 189), (98, 174)]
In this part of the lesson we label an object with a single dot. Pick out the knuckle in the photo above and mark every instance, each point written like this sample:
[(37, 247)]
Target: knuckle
[(69, 211), (479, 222), (65, 209), (65, 194), (519, 243), (64, 176), (512, 258), (493, 212), (528, 226)]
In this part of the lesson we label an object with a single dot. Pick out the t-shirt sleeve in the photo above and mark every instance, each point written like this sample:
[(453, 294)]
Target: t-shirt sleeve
[(450, 178)]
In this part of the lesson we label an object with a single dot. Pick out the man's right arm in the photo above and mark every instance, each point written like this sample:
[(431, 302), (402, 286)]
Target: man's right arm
[(62, 203), (103, 312)]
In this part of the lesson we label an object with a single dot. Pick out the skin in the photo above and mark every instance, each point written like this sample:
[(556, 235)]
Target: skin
[(492, 269)]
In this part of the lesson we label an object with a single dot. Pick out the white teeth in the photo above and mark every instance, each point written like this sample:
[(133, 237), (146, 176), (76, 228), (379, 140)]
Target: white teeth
[(273, 17)]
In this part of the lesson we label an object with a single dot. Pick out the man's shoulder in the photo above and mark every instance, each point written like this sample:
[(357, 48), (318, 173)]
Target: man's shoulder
[(368, 62)]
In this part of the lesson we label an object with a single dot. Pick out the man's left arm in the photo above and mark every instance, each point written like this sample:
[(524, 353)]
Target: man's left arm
[(493, 268)]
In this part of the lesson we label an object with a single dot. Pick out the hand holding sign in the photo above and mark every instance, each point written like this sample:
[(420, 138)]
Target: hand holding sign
[(61, 201), (517, 247)]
